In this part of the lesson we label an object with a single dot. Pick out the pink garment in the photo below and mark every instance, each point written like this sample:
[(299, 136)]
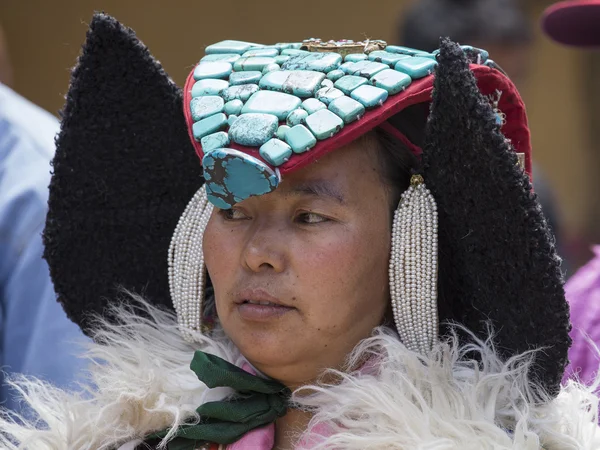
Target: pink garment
[(583, 293)]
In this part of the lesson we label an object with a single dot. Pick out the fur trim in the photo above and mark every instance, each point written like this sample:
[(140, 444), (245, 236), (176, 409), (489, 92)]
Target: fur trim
[(444, 400)]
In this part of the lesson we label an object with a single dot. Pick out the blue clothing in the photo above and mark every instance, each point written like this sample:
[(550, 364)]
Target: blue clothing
[(36, 337)]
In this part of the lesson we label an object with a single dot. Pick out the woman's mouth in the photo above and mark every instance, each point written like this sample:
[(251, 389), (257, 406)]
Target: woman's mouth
[(261, 308)]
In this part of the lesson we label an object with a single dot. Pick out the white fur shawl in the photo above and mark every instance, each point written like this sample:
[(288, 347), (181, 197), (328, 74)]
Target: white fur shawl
[(143, 383)]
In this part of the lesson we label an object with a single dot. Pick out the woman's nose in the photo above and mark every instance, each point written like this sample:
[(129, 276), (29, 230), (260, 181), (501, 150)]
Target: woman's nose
[(265, 249)]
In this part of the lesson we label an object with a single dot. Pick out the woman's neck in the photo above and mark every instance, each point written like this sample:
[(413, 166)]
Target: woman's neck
[(289, 428)]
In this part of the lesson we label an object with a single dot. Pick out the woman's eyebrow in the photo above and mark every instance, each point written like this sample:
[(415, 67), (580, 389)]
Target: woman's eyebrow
[(318, 189)]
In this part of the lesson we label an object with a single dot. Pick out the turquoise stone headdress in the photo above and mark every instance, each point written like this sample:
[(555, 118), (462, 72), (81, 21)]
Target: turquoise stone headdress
[(258, 111)]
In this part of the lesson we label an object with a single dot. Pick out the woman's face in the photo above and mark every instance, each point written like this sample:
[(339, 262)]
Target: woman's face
[(301, 274)]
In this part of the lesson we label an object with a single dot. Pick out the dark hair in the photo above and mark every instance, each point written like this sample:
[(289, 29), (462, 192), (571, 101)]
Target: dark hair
[(464, 21)]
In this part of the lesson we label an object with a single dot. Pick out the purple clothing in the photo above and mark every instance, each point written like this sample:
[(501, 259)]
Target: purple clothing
[(583, 294)]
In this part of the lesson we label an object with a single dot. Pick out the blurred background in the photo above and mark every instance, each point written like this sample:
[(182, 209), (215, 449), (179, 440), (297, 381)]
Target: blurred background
[(560, 85)]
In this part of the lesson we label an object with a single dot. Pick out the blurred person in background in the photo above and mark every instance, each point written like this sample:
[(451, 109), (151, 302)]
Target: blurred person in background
[(36, 337), (502, 28), (577, 23)]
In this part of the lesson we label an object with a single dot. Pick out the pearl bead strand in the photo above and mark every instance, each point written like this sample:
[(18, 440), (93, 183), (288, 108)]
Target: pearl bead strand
[(413, 267), (187, 272)]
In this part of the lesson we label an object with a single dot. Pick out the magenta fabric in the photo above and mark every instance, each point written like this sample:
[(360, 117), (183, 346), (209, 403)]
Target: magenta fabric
[(583, 294)]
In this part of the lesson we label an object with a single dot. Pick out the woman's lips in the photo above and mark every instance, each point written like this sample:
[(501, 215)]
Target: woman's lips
[(261, 311)]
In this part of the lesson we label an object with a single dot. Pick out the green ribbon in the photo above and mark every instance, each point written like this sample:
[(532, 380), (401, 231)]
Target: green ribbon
[(258, 402)]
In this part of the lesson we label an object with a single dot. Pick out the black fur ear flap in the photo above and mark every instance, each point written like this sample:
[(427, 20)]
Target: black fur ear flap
[(497, 255), (124, 171)]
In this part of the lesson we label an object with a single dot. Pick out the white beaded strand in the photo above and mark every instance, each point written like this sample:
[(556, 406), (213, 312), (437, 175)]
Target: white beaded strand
[(187, 272), (414, 266)]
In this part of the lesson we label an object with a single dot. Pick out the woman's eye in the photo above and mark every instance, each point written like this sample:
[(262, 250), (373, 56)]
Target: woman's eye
[(311, 218), (232, 214)]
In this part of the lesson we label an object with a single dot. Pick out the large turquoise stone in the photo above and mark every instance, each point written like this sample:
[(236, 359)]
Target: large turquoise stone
[(253, 63), (269, 102), (391, 80), (215, 140), (212, 69), (327, 95), (233, 107), (283, 45), (312, 105), (348, 83), (416, 67), (240, 92), (370, 96), (261, 52), (233, 176), (335, 75), (368, 68), (320, 62), (281, 131), (386, 57), (209, 87), (275, 152), (208, 105), (347, 108), (402, 50), (302, 83), (223, 57), (355, 57), (209, 125), (293, 52), (271, 68), (229, 46), (296, 117), (253, 130), (300, 139), (347, 67), (281, 59), (324, 124), (245, 77)]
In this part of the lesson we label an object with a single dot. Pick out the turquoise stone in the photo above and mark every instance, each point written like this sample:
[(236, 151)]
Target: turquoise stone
[(402, 50), (231, 119), (293, 52), (347, 67), (474, 52), (281, 59), (229, 46), (261, 52), (270, 102), (283, 45), (327, 95), (271, 68), (318, 61), (386, 57), (281, 131), (223, 57), (312, 105), (209, 125), (300, 139), (275, 152), (296, 117), (209, 87), (391, 80), (241, 92), (208, 105), (302, 83), (370, 96), (233, 107), (233, 176), (245, 77), (327, 83), (324, 124), (355, 57), (416, 67), (347, 108), (213, 141), (253, 130), (368, 68), (253, 63), (212, 69), (348, 83), (335, 75), (297, 45)]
